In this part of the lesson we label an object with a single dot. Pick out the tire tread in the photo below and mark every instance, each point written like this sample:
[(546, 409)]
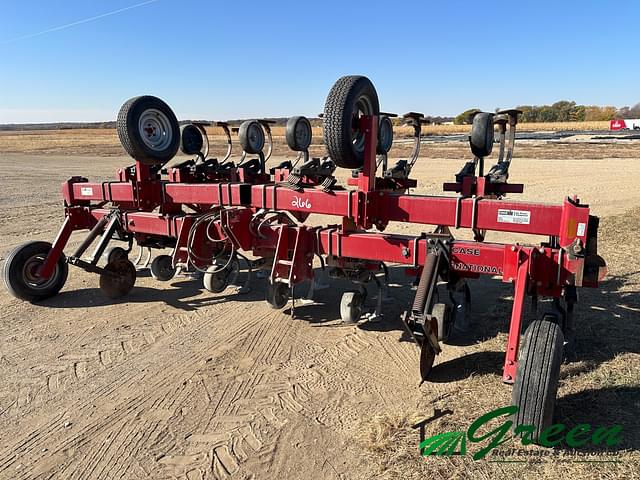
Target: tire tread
[(536, 384)]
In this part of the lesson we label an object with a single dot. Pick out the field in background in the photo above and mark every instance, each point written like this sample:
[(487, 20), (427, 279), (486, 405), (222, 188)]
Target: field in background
[(105, 141)]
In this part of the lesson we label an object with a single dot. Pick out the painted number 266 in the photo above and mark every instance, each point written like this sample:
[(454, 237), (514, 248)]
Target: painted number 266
[(300, 203)]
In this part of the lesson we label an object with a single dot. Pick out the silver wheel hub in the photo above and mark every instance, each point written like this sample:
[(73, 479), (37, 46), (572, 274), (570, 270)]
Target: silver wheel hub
[(155, 129)]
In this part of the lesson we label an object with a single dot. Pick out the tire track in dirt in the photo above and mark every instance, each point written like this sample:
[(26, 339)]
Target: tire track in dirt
[(251, 411), (226, 449), (98, 356), (190, 361), (260, 411), (123, 456)]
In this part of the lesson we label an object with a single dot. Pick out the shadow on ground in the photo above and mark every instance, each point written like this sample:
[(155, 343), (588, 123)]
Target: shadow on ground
[(604, 407), (606, 321)]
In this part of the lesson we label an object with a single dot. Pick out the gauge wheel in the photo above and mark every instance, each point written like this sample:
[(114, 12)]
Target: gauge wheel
[(351, 305), (350, 98), (482, 134), (216, 279), (118, 285), (148, 130), (277, 294), (162, 268), (385, 135), (191, 140), (21, 272), (298, 133), (536, 383), (251, 135)]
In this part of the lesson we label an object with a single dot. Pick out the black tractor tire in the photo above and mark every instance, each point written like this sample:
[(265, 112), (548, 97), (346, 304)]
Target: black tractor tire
[(348, 96), (298, 133), (191, 140), (20, 277), (148, 130), (251, 136), (536, 384)]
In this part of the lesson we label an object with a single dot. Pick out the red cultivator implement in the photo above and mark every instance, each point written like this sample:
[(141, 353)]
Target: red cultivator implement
[(215, 214)]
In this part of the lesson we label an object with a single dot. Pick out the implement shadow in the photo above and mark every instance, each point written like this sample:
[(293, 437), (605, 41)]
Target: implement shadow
[(604, 407)]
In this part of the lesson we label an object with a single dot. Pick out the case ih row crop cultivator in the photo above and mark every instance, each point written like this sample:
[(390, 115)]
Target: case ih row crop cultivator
[(209, 211)]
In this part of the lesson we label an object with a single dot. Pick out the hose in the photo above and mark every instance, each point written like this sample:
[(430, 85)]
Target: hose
[(210, 218)]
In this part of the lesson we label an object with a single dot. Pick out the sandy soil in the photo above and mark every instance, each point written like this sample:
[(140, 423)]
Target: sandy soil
[(175, 382)]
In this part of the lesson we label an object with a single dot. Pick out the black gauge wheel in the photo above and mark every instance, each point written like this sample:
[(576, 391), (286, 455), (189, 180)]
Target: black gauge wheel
[(385, 135), (251, 135), (298, 133), (277, 294), (191, 140)]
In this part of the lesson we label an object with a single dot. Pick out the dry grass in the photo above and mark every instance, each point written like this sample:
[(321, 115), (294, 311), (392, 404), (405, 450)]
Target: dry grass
[(72, 141)]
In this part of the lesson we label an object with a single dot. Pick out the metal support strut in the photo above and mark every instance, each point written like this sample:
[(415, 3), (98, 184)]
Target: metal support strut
[(513, 342)]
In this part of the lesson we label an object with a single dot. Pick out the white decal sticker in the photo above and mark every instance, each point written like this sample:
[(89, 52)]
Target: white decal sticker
[(514, 216), (86, 191), (300, 203), (581, 228)]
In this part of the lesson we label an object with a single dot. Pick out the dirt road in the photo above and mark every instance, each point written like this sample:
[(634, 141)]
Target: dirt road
[(175, 382)]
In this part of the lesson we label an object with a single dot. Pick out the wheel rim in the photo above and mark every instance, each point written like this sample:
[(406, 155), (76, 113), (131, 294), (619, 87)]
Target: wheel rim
[(31, 276), (155, 129), (363, 106), (255, 137), (386, 135), (303, 134), (219, 280), (192, 140)]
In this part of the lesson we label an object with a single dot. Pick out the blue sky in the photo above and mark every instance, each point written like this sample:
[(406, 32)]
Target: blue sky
[(237, 59)]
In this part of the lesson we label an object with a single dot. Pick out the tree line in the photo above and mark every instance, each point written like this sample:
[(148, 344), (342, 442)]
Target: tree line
[(564, 111)]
